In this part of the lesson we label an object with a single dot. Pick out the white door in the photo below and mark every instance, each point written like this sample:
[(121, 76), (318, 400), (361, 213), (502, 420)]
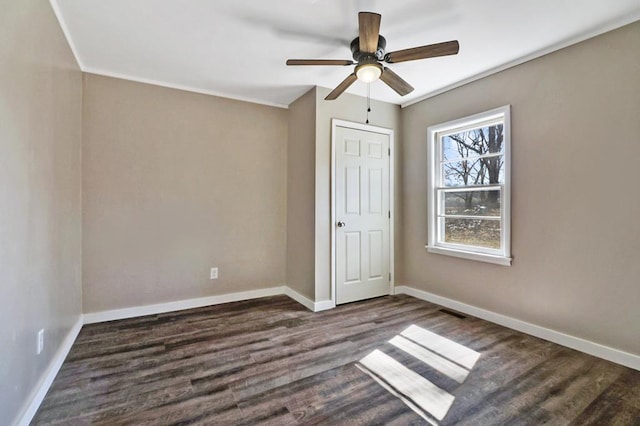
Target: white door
[(362, 215)]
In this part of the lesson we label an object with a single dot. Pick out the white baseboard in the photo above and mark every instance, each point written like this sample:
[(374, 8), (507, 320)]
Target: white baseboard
[(304, 301), (308, 303), (37, 395), (577, 343), (323, 305), (160, 308)]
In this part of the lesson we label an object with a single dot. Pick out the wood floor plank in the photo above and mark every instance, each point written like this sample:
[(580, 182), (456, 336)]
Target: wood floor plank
[(189, 407), (618, 404), (270, 361)]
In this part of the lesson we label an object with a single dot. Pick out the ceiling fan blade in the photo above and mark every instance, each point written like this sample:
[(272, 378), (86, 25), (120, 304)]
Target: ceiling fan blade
[(394, 81), (341, 87), (423, 52), (369, 31), (319, 62)]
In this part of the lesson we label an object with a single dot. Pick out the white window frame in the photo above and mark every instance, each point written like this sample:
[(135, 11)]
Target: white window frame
[(500, 256)]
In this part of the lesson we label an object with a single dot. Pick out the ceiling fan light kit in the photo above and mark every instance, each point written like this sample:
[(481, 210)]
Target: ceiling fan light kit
[(368, 50), (368, 73)]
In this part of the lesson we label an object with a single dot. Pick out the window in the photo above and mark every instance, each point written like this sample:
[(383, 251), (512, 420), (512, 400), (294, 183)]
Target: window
[(469, 187)]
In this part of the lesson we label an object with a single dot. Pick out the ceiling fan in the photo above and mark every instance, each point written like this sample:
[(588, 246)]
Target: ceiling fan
[(369, 51)]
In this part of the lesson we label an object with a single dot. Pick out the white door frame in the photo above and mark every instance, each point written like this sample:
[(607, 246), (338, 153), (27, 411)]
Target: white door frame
[(367, 128)]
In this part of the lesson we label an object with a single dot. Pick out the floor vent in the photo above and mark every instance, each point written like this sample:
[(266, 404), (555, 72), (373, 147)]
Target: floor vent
[(453, 313)]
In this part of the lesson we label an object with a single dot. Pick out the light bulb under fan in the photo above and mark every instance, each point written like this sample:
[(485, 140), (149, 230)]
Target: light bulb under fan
[(368, 72)]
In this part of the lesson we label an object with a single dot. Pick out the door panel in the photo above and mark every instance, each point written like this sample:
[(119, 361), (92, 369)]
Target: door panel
[(376, 254), (362, 211), (352, 257), (352, 147), (375, 191), (352, 190), (375, 150)]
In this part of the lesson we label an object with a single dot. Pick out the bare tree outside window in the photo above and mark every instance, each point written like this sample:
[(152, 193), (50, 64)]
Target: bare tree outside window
[(473, 158)]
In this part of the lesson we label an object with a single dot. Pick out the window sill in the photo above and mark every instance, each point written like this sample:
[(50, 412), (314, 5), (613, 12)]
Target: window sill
[(480, 257)]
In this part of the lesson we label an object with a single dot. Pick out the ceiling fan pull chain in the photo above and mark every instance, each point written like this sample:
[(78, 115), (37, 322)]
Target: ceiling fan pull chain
[(368, 101)]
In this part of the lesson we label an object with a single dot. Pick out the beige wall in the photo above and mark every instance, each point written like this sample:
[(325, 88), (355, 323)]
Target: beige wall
[(575, 209), (351, 108), (301, 152), (40, 218), (173, 184)]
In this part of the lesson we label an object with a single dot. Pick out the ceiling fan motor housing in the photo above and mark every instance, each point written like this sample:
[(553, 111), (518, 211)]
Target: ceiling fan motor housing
[(359, 56)]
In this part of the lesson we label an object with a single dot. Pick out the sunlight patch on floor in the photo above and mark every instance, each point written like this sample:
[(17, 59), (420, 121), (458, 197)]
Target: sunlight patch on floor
[(446, 367), (443, 355), (409, 383), (447, 348)]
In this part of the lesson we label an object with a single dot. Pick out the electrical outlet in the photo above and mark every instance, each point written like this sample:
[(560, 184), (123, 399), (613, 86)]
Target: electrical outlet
[(40, 341), (214, 274)]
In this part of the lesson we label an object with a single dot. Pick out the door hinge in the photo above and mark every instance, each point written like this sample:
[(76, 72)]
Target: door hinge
[(389, 214), (389, 276), (389, 152)]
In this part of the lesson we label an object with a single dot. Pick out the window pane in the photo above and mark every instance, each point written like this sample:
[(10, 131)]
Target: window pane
[(472, 203), (472, 232), (473, 142), (479, 171)]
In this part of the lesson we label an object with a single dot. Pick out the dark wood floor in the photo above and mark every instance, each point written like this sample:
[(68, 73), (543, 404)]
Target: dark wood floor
[(271, 361)]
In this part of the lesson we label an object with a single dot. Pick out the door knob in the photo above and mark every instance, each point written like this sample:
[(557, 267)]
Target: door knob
[(341, 224)]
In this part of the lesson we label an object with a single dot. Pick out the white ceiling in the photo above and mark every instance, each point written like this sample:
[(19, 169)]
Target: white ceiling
[(238, 48)]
